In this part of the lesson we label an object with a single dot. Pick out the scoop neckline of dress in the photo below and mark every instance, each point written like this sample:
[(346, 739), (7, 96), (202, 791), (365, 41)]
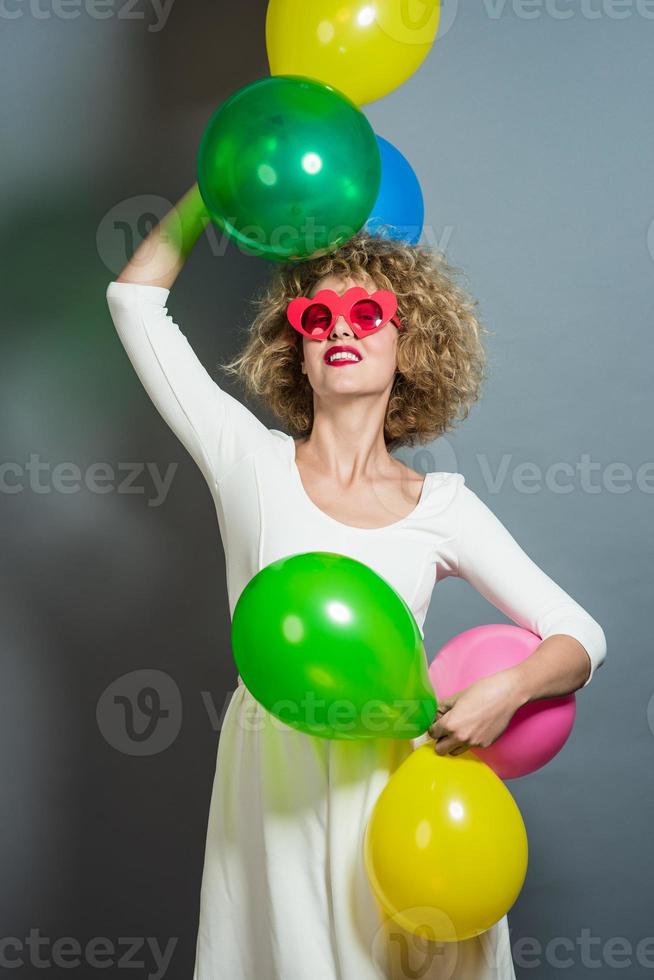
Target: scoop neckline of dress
[(352, 527)]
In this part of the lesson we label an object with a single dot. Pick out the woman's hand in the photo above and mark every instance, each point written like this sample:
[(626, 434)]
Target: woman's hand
[(477, 715), (159, 258)]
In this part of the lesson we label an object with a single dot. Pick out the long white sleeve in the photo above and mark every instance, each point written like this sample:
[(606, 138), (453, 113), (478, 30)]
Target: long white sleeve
[(491, 560), (215, 428)]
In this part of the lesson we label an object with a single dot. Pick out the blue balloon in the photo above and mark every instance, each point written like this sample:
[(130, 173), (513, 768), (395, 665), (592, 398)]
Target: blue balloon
[(399, 211)]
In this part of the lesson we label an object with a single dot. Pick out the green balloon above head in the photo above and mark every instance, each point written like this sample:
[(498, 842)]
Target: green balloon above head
[(289, 168), (329, 647)]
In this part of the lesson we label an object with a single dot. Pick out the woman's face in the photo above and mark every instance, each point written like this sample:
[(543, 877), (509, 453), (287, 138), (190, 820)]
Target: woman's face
[(375, 369)]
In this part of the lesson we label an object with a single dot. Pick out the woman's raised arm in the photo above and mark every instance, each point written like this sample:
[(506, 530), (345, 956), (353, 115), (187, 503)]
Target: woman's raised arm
[(215, 428), (160, 257)]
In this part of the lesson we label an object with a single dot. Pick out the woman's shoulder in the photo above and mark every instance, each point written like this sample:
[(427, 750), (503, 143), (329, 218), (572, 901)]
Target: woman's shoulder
[(438, 490), (442, 494), (283, 439), (437, 479)]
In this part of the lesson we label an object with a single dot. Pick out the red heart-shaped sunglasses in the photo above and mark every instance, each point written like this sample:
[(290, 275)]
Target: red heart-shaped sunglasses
[(365, 312)]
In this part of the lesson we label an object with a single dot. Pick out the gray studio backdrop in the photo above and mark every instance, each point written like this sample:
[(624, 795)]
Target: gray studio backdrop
[(529, 127)]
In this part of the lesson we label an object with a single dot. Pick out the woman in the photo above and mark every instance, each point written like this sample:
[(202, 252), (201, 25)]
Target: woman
[(284, 892)]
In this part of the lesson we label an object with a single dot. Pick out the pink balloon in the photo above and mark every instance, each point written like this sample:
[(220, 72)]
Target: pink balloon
[(538, 730)]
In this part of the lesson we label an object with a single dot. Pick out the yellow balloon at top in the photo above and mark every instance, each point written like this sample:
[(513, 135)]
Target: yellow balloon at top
[(364, 49)]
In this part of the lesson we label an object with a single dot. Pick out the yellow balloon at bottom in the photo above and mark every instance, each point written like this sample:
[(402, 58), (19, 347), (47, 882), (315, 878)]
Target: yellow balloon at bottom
[(445, 847)]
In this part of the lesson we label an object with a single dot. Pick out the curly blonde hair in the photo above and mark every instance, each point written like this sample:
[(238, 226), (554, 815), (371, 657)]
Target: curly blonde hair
[(440, 357)]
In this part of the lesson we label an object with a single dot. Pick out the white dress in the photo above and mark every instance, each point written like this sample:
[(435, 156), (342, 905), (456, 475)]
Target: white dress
[(284, 891)]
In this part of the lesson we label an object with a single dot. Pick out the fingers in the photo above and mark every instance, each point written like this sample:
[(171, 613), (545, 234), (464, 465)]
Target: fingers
[(444, 740), (450, 745), (437, 729)]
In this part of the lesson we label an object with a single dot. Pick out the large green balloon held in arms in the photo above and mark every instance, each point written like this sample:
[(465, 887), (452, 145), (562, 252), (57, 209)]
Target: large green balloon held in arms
[(329, 647), (289, 168)]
